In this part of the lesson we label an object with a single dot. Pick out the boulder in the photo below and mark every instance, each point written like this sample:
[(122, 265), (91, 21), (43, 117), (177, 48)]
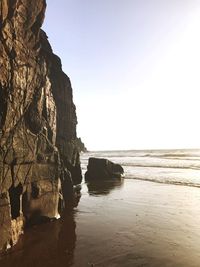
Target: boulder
[(102, 169)]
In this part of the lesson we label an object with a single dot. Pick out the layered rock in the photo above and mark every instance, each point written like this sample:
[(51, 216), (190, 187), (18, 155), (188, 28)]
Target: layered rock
[(38, 143)]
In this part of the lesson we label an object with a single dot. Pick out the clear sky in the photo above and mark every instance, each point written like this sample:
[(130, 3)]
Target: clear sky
[(134, 67)]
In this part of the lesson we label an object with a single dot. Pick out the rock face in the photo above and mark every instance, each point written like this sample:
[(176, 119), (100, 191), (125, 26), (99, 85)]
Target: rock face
[(38, 143), (102, 169), (81, 146)]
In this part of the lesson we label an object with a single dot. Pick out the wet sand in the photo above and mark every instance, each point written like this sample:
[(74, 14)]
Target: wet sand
[(133, 223)]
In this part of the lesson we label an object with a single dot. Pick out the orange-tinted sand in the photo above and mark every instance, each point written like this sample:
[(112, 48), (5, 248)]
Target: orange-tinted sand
[(134, 223)]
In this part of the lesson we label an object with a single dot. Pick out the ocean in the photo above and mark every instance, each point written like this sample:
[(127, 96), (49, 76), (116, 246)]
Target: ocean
[(147, 219), (177, 166)]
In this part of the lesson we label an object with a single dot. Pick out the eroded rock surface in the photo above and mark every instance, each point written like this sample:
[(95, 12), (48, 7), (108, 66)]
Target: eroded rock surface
[(38, 141), (103, 169)]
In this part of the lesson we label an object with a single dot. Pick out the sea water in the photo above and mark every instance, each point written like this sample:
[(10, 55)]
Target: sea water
[(180, 167), (124, 223)]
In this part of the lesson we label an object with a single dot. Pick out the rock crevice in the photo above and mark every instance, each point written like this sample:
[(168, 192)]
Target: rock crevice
[(38, 141)]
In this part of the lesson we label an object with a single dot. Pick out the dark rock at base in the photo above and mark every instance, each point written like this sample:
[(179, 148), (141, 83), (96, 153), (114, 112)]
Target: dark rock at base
[(101, 169), (38, 140)]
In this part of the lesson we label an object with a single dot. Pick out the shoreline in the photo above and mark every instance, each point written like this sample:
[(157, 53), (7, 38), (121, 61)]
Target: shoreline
[(165, 182), (135, 223)]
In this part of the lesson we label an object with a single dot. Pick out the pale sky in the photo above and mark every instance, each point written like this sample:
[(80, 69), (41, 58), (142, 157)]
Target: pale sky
[(134, 67)]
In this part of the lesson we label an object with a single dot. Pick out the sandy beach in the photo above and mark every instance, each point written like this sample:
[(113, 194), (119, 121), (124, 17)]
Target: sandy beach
[(132, 223), (99, 140)]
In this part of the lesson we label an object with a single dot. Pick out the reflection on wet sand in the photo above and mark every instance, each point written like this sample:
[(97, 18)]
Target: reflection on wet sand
[(103, 187), (66, 240), (50, 244), (137, 224), (53, 243)]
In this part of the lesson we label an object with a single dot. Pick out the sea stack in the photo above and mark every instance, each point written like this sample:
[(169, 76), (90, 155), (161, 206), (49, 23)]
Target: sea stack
[(103, 169), (38, 142)]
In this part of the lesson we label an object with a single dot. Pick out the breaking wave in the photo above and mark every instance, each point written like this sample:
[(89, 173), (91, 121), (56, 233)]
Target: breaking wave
[(180, 167)]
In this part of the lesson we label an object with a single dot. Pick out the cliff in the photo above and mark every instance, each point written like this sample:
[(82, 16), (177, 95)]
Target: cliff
[(39, 157)]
